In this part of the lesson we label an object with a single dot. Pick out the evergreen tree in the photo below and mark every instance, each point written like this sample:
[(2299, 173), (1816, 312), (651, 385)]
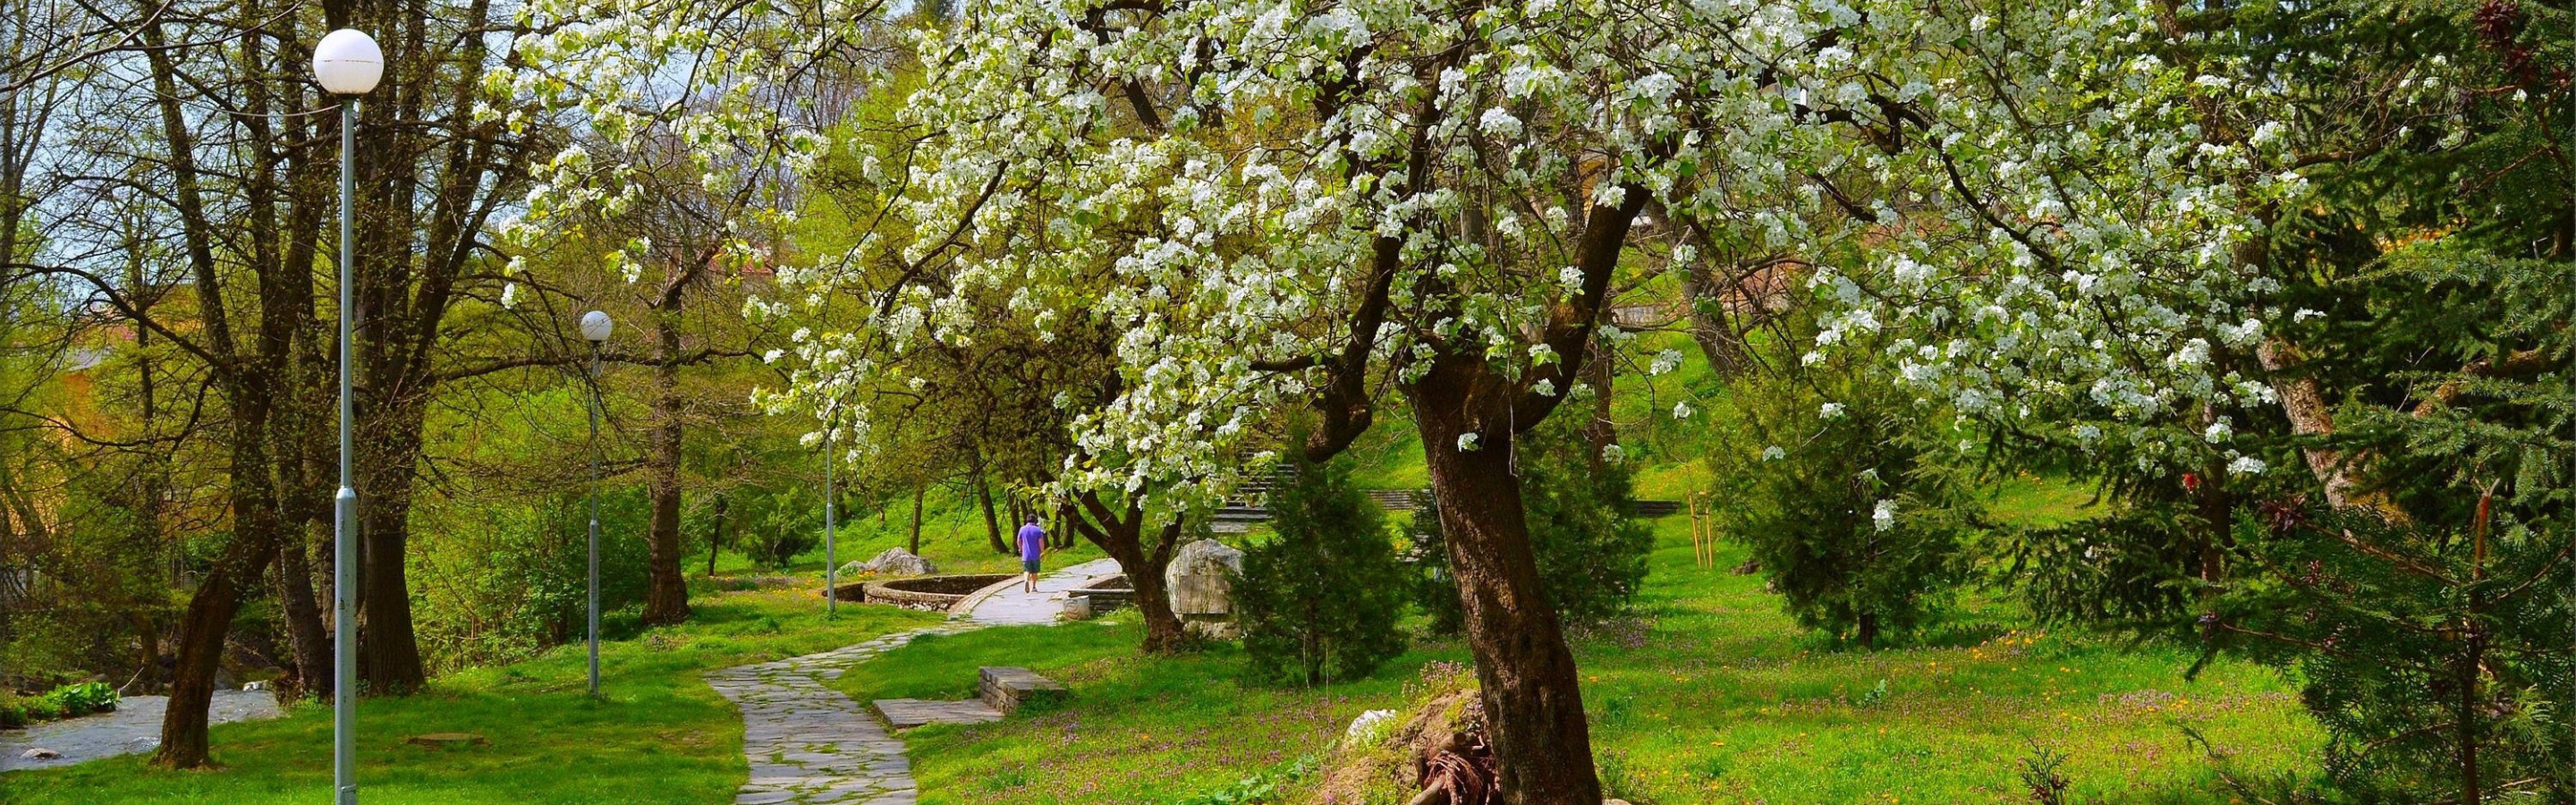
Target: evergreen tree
[(2433, 630), (1833, 484), (1319, 601)]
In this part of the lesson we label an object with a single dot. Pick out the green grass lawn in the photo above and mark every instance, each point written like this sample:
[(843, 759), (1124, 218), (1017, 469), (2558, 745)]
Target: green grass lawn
[(660, 735), (1712, 696)]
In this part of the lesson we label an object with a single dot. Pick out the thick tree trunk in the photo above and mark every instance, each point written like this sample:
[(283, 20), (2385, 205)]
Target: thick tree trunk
[(666, 594), (1533, 699), (201, 649), (1163, 633), (1122, 536), (305, 636), (388, 650), (217, 599)]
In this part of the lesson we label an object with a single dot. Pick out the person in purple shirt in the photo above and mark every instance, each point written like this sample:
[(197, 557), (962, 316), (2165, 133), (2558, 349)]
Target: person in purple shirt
[(1032, 546)]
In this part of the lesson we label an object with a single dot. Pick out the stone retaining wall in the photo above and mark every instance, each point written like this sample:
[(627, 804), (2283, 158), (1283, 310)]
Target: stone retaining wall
[(1109, 593), (930, 593)]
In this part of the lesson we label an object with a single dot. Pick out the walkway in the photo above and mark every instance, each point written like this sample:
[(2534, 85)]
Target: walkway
[(811, 745), (135, 726)]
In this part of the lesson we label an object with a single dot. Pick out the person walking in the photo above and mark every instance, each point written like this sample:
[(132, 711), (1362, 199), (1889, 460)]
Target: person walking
[(1032, 546)]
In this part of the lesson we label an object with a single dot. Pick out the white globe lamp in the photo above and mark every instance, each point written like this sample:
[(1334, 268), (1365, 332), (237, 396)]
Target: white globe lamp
[(348, 62), (596, 326)]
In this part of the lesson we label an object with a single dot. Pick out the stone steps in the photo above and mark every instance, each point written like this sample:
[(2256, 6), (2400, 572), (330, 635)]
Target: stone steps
[(1006, 688), (904, 714)]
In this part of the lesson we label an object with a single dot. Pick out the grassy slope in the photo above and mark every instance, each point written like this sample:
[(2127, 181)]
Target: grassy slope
[(660, 736), (1715, 696)]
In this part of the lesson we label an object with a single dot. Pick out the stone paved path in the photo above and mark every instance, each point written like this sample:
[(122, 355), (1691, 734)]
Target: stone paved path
[(811, 745), (1011, 606), (135, 726)]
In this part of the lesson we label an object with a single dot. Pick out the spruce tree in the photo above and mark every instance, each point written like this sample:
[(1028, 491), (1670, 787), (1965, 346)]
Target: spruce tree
[(1845, 501), (1318, 602)]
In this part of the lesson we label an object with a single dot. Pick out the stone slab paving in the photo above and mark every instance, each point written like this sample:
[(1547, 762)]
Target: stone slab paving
[(134, 727), (1014, 606), (904, 714), (811, 745)]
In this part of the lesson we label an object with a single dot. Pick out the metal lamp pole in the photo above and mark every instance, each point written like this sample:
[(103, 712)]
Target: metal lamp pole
[(595, 327), (831, 523), (348, 64)]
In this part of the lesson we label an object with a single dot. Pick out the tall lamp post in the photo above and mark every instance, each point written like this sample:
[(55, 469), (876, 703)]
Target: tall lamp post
[(595, 327), (831, 523), (348, 64)]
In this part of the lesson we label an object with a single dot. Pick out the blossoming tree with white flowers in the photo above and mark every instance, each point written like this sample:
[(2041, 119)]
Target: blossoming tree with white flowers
[(1328, 203)]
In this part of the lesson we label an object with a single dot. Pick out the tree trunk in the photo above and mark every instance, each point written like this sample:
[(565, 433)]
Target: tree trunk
[(917, 491), (1712, 326), (666, 594), (1869, 631), (311, 675), (992, 522), (1533, 700), (1163, 633), (210, 611), (1123, 538), (201, 649), (388, 650)]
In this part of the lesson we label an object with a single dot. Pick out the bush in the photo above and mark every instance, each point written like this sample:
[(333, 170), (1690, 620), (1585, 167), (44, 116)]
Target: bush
[(779, 525), (1834, 484), (42, 708), (85, 698), (1583, 525), (1591, 549), (1319, 602), (67, 701)]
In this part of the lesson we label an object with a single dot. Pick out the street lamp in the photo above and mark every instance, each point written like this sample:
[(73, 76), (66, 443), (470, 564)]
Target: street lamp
[(348, 64), (595, 327), (831, 523)]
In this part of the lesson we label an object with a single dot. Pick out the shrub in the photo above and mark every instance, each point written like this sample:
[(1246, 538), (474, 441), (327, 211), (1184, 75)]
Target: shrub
[(1837, 488), (1591, 549), (1320, 600), (1582, 520), (779, 525), (42, 708), (85, 698)]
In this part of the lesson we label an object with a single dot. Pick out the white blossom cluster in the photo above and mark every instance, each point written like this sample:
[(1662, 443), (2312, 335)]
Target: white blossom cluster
[(2072, 244), (2044, 218)]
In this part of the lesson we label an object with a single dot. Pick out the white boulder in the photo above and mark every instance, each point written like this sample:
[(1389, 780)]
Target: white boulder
[(893, 562), (1199, 579)]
